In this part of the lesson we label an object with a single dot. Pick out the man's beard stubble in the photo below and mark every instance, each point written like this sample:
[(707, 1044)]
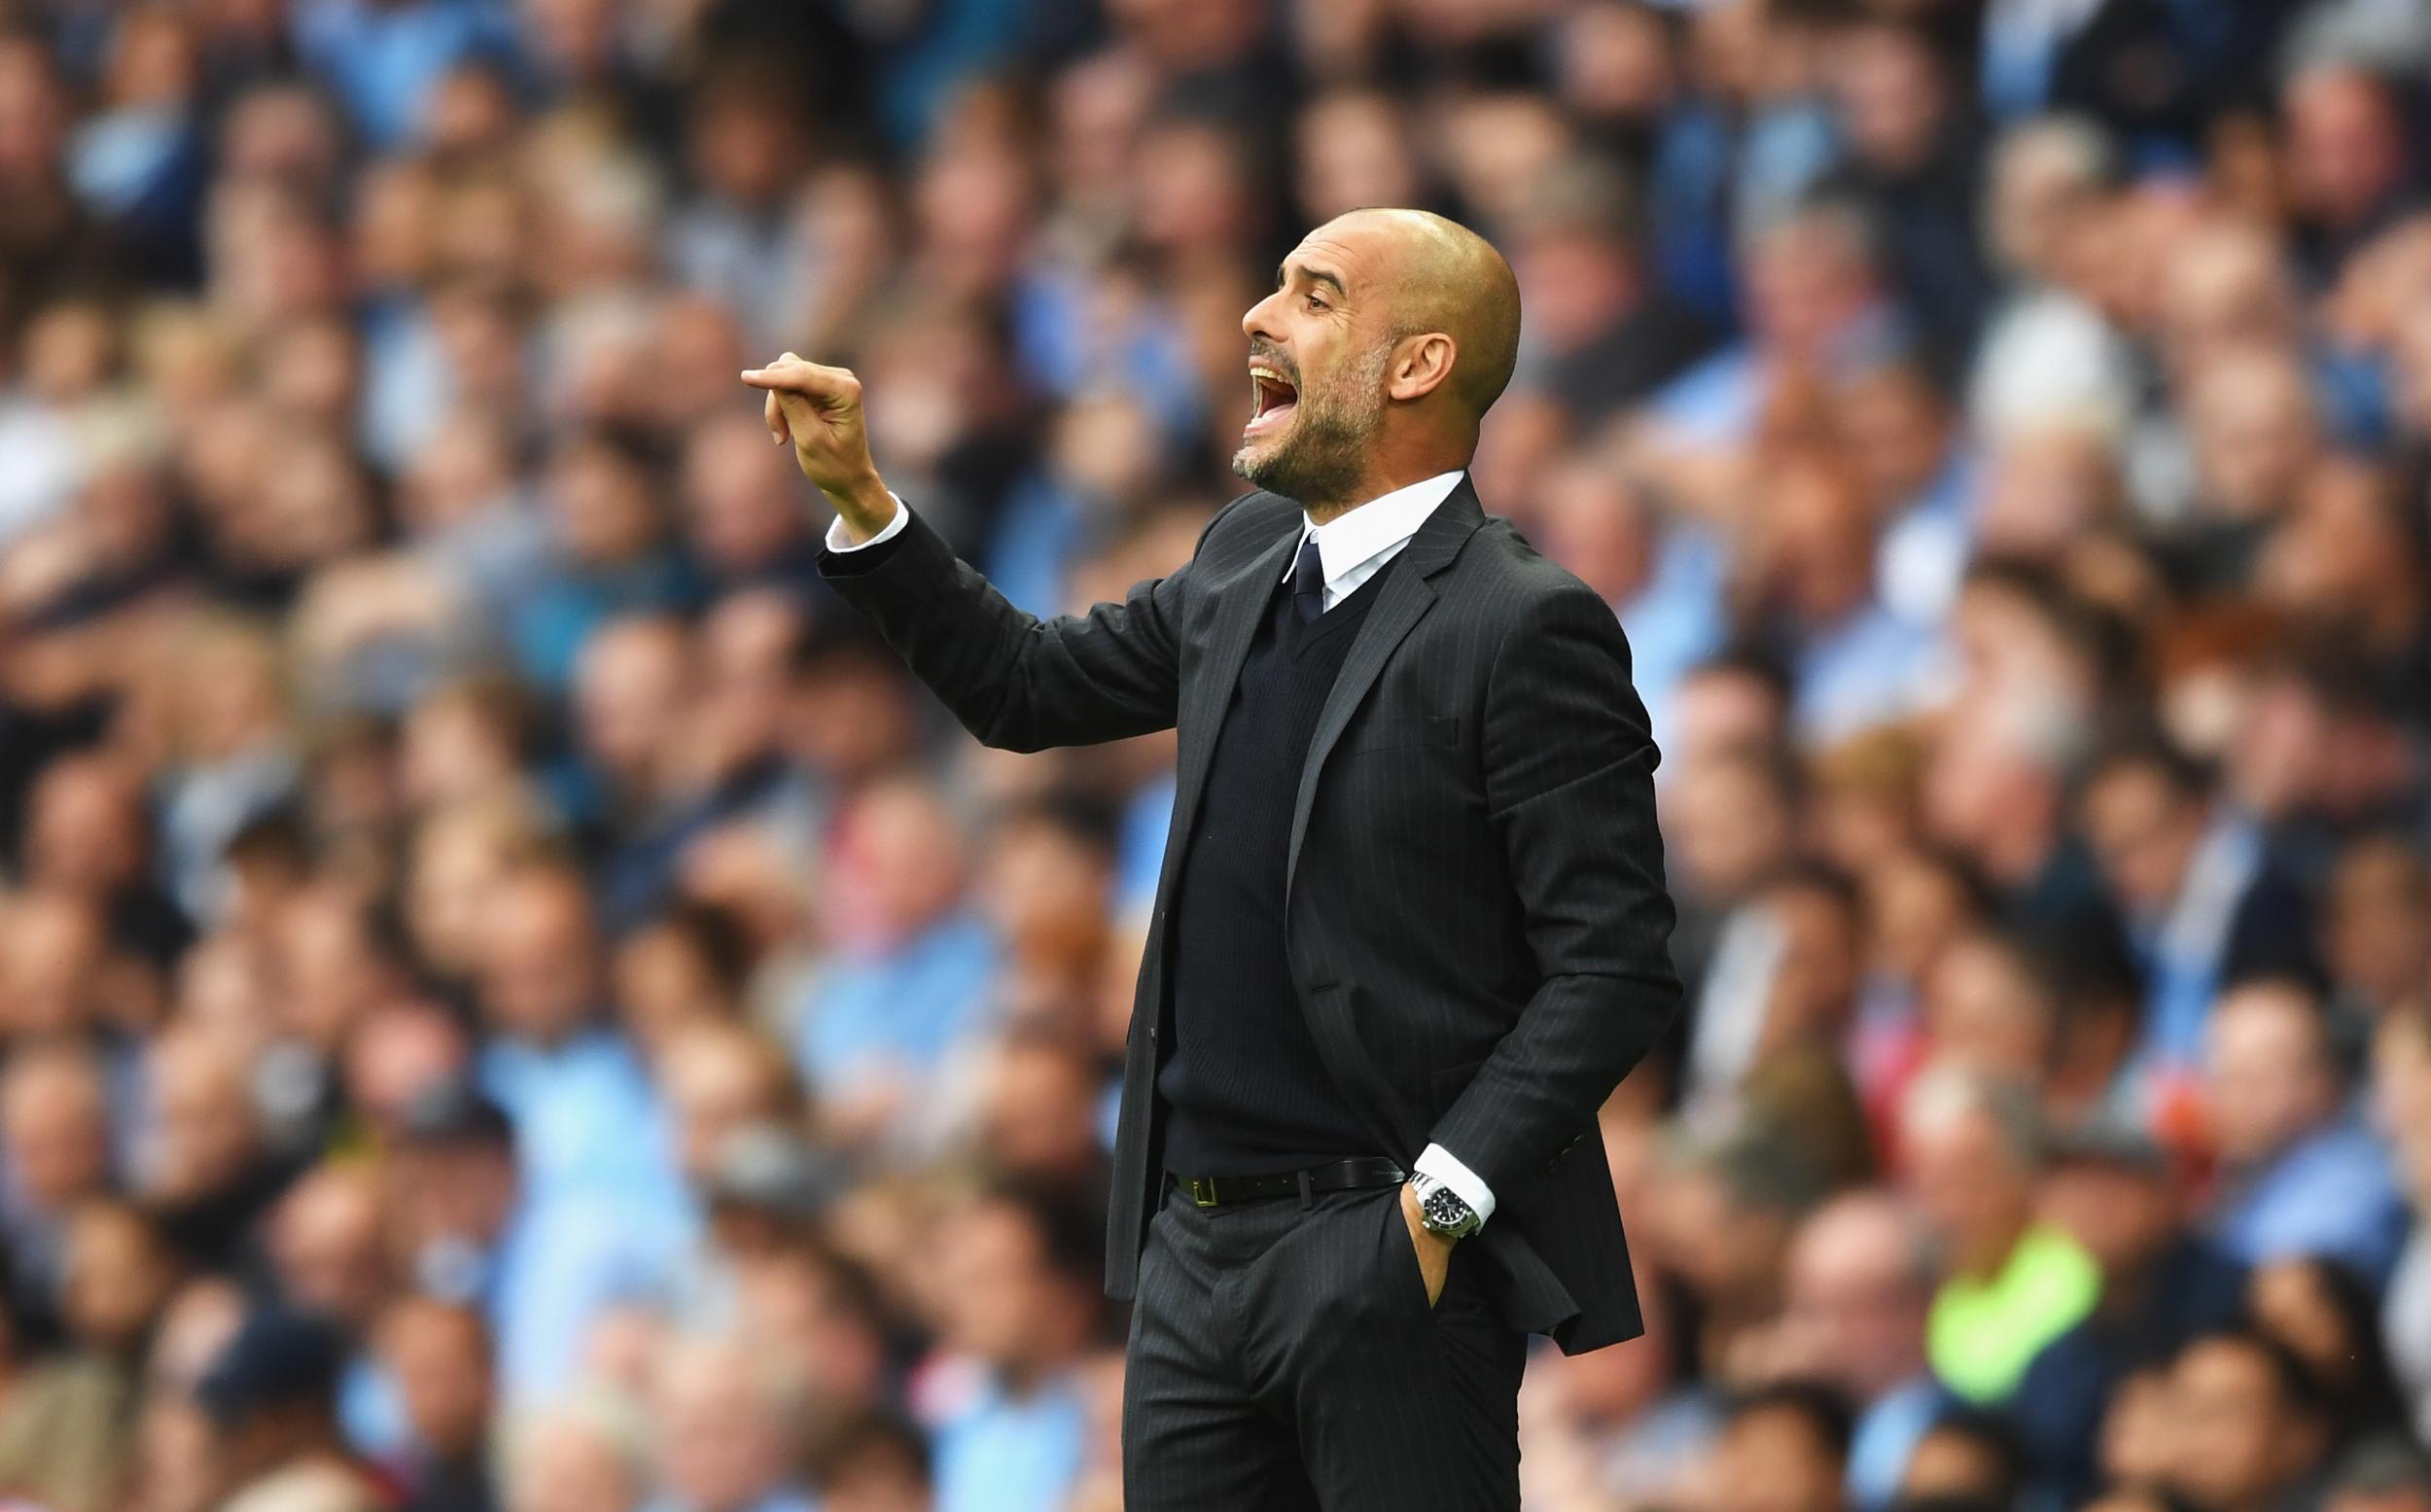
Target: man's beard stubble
[(1321, 460)]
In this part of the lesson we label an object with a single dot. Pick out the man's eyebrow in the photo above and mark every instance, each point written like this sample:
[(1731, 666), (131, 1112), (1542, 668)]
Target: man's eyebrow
[(1282, 276)]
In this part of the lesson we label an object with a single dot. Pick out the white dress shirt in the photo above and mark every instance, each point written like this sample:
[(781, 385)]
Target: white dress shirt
[(1353, 548), (1357, 546)]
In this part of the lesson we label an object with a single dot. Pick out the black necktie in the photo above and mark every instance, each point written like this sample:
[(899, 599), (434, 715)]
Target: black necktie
[(1308, 584)]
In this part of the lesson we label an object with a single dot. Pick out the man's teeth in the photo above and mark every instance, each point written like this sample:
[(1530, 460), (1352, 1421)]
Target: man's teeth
[(1270, 390)]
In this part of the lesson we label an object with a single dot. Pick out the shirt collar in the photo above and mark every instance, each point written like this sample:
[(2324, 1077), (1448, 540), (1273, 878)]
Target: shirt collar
[(1381, 523)]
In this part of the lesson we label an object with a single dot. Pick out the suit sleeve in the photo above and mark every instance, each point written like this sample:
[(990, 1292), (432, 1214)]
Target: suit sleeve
[(1015, 681), (1570, 788)]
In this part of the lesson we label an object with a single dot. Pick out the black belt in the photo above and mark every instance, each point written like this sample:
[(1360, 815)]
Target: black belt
[(1341, 1176)]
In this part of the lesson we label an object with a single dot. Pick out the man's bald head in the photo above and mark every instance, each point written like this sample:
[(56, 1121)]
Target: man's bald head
[(1388, 336), (1446, 277)]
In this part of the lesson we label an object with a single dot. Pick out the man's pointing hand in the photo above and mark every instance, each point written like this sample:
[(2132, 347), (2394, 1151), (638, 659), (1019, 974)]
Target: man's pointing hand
[(817, 409)]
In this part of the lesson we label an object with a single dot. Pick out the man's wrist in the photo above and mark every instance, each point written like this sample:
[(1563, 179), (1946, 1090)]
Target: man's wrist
[(864, 504), (1437, 1167), (1414, 1209), (844, 540)]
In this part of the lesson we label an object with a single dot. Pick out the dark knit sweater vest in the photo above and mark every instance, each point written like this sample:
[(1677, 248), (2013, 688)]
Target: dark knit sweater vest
[(1245, 1093)]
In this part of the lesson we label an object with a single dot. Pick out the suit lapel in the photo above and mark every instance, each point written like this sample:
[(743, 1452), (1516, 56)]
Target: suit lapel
[(1406, 598), (1242, 598)]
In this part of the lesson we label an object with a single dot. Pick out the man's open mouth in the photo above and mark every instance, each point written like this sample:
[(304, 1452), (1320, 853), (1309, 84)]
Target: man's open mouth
[(1272, 398)]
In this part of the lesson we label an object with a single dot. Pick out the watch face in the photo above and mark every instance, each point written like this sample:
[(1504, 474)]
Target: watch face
[(1445, 1210)]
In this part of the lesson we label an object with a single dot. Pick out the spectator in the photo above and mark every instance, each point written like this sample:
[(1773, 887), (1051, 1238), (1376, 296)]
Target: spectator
[(233, 762), (1017, 1306), (86, 837), (328, 1246), (2250, 1432), (1783, 1450), (1041, 1115), (1989, 1011), (2048, 177), (2115, 1191), (608, 555), (829, 1314), (634, 689), (728, 1421), (2349, 153), (2301, 1177), (55, 1121), (1856, 662), (1045, 885), (269, 1395), (382, 59), (1860, 1285), (2139, 1437), (1729, 1205), (394, 1055), (586, 1454), (1912, 161), (688, 967), (543, 1274), (66, 1427), (1602, 337), (439, 1354), (206, 1165), (1963, 1461), (910, 942), (722, 1079), (1660, 577), (585, 1115), (2321, 1312), (1609, 1420), (873, 1463), (1920, 477), (766, 1191), (1918, 906), (746, 148), (2204, 906), (1994, 794), (2372, 943), (2012, 1282), (1731, 821)]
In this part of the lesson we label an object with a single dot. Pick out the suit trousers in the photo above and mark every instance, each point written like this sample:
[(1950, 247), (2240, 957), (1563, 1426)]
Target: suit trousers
[(1284, 1359)]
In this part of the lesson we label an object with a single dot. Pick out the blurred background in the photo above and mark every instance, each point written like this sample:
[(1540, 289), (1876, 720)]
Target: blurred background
[(511, 1001)]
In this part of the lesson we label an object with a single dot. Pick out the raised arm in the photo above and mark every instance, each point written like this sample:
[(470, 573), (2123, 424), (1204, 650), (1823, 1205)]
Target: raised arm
[(1013, 680)]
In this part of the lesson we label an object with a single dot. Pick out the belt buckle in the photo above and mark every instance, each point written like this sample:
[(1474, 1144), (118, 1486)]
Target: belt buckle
[(1202, 1190)]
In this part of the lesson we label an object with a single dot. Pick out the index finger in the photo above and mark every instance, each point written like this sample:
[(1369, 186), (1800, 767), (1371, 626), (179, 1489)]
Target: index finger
[(795, 375), (778, 374)]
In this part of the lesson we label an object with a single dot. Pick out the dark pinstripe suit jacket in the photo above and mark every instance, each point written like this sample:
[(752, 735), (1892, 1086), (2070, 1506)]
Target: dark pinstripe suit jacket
[(1476, 915)]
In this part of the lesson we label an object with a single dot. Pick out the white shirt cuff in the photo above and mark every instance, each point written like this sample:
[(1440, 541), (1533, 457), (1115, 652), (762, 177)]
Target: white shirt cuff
[(1442, 1165), (842, 543)]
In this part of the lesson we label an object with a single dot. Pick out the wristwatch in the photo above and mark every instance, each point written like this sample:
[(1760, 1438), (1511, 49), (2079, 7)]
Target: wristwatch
[(1441, 1210)]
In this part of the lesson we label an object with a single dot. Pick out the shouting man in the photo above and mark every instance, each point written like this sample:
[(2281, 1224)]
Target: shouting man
[(1412, 926)]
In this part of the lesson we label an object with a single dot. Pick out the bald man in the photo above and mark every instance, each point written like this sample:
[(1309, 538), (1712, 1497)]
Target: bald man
[(1410, 930)]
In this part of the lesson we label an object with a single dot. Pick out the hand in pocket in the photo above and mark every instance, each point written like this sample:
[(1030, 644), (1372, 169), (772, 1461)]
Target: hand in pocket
[(1434, 1252)]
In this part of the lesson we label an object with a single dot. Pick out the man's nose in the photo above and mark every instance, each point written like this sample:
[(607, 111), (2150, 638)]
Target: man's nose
[(1256, 323)]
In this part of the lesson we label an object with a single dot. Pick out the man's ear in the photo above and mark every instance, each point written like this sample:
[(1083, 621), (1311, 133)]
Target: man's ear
[(1420, 364)]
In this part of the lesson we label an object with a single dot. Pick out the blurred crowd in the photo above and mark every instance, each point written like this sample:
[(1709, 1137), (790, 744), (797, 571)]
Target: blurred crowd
[(512, 1003)]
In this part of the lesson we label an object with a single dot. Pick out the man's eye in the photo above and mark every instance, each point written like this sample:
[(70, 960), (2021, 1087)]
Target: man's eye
[(1315, 305)]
